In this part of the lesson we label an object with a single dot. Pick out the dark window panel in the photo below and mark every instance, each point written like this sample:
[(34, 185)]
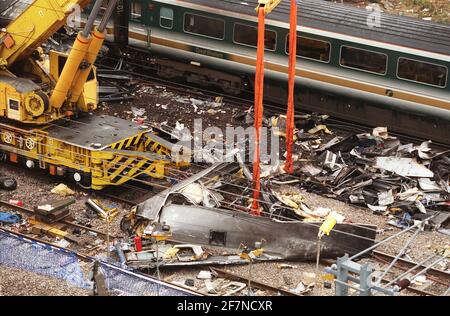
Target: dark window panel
[(166, 18), (248, 35), (311, 48), (422, 72), (136, 10), (204, 26), (14, 105), (363, 60)]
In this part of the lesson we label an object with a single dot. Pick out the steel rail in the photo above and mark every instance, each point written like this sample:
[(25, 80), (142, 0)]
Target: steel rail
[(28, 211), (438, 276)]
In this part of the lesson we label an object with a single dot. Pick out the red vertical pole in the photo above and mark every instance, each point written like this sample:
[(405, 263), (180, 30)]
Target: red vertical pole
[(259, 84), (289, 165)]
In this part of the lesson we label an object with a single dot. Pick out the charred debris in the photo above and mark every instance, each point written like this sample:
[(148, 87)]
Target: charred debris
[(406, 183)]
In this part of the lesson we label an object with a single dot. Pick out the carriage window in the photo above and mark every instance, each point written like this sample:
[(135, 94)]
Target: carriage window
[(422, 72), (311, 48), (13, 104), (248, 35), (363, 60), (136, 10), (166, 18), (204, 26)]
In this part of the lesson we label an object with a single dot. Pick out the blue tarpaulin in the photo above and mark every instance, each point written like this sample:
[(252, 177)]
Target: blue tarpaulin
[(9, 218)]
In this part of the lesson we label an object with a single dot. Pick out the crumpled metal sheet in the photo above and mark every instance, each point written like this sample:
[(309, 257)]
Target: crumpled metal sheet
[(293, 240), (150, 208), (377, 170), (406, 167)]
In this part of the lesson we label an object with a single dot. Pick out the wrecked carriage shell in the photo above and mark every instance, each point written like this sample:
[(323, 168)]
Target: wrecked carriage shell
[(293, 240)]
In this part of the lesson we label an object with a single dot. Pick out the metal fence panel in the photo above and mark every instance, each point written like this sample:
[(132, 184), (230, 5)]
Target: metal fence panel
[(19, 252)]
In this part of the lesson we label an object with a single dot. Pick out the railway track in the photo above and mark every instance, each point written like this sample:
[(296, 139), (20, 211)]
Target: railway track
[(436, 276), (29, 212), (129, 193)]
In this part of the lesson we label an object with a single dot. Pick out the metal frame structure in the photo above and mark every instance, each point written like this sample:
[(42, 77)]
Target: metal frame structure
[(347, 270)]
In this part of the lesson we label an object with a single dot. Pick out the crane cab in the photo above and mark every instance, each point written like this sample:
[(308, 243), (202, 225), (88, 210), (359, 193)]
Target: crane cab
[(21, 99)]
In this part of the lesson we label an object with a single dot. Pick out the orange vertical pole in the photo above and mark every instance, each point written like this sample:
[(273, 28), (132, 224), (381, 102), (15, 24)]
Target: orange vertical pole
[(259, 86), (289, 165)]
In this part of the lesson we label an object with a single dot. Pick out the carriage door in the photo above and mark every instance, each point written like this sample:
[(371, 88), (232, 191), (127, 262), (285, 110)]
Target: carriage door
[(165, 20), (121, 19), (139, 18)]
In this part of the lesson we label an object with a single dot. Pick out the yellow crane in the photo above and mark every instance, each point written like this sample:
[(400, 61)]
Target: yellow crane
[(39, 94), (32, 88)]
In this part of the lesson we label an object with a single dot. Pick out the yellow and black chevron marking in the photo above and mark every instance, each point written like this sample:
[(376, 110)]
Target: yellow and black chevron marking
[(157, 147), (118, 166), (127, 143), (160, 146)]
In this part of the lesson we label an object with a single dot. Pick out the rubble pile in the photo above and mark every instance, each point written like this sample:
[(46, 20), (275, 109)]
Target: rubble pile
[(409, 182)]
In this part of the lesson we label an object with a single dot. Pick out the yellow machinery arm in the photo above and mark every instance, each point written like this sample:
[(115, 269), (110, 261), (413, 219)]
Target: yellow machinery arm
[(31, 92), (33, 27), (269, 5), (81, 58)]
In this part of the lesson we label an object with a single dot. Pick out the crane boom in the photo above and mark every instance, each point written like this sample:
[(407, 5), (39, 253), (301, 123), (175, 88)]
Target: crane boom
[(34, 26)]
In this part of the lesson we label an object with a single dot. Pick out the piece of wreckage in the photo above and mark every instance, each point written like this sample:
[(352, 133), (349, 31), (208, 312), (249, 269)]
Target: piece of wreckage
[(405, 181), (198, 214)]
